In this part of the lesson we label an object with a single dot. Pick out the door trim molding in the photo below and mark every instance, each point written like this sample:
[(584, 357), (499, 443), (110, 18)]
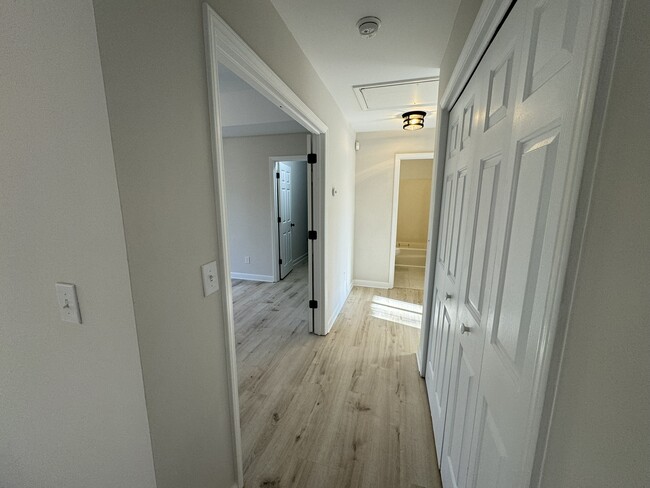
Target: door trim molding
[(487, 22), (224, 45), (393, 224)]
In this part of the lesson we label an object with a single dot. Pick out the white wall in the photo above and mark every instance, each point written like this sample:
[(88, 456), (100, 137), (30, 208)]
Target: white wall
[(600, 435), (414, 201), (153, 60), (72, 406), (375, 166), (249, 191)]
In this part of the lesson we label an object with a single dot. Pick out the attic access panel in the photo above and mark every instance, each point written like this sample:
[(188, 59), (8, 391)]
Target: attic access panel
[(397, 94)]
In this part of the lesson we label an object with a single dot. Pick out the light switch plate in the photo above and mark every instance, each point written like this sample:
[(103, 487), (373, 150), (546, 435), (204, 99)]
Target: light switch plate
[(66, 294), (210, 279)]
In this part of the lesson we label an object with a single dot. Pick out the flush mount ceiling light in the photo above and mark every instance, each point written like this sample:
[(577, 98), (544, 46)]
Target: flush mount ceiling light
[(368, 26), (413, 120)]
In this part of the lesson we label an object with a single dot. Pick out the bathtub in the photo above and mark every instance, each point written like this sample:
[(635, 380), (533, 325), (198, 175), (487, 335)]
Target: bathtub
[(412, 254)]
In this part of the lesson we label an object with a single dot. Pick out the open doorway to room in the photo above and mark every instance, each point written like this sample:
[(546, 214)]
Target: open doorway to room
[(410, 226), (258, 122), (267, 205)]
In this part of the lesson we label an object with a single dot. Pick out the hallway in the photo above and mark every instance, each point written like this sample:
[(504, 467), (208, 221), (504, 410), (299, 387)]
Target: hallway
[(348, 409)]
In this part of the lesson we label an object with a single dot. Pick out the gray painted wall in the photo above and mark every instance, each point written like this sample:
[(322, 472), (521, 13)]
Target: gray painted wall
[(153, 60), (72, 406), (467, 10), (248, 196)]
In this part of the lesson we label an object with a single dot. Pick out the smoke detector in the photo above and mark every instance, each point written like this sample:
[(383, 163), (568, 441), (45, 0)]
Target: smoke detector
[(368, 26)]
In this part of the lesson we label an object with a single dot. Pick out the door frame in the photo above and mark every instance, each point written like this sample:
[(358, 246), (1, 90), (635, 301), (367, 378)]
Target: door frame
[(488, 20), (275, 245), (224, 45), (399, 157)]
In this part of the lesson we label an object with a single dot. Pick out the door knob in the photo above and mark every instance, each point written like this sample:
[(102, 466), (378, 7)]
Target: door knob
[(447, 296), (293, 225), (464, 329)]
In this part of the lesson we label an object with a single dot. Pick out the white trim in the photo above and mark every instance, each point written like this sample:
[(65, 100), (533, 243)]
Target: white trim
[(251, 277), (222, 44), (485, 25), (245, 63), (335, 315), (384, 285), (301, 259), (399, 157)]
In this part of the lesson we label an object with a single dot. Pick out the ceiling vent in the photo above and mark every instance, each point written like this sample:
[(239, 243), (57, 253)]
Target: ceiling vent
[(397, 94)]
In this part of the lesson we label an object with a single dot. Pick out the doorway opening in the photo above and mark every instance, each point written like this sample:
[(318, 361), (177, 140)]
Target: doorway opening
[(277, 113), (412, 186)]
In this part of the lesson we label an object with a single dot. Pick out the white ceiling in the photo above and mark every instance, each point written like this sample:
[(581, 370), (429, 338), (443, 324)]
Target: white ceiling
[(244, 112), (410, 44)]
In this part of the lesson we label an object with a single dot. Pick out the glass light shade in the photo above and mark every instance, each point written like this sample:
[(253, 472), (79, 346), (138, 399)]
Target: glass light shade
[(413, 120)]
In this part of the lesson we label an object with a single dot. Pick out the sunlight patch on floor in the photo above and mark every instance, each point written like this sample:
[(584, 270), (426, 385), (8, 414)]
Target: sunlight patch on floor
[(397, 311)]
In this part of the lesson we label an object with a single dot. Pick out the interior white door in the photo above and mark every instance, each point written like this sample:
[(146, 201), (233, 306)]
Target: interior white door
[(447, 281), (285, 222), (483, 158), (514, 133)]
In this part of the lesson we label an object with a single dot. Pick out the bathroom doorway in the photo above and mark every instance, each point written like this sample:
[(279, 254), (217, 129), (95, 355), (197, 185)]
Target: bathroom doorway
[(411, 205)]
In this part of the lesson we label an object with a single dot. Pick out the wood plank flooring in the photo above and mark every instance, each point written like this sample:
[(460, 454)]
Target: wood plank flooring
[(345, 410)]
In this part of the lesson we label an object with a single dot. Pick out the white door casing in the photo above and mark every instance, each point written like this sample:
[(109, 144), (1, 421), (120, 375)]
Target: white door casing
[(285, 220), (518, 132)]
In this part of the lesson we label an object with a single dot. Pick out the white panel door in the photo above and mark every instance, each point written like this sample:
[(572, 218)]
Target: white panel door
[(489, 97), (513, 134), (535, 219), (285, 222), (448, 267)]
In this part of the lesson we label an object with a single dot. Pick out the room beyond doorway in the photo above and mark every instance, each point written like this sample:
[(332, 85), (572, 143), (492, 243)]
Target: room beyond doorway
[(412, 185)]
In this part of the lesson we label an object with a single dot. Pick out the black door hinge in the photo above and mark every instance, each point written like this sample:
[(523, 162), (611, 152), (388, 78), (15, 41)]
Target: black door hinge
[(279, 220), (312, 235), (311, 158), (277, 175), (313, 303), (280, 260)]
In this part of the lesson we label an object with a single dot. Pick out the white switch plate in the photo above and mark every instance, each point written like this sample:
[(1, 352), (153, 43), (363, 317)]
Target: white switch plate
[(210, 280), (66, 294)]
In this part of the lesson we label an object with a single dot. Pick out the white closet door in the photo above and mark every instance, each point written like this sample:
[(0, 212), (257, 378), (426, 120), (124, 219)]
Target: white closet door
[(536, 216), (513, 135), (448, 267)]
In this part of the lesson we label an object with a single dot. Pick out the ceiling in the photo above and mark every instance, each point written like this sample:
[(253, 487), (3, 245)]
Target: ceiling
[(244, 112), (409, 45)]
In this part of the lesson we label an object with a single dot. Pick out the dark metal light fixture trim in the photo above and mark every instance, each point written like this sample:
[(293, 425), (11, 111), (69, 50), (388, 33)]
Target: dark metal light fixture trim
[(413, 120)]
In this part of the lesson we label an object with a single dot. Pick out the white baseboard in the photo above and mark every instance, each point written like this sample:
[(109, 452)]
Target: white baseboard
[(372, 284), (251, 277), (335, 315), (301, 259), (418, 360)]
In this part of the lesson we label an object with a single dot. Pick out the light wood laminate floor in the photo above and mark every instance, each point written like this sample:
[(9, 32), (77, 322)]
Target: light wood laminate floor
[(345, 410)]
